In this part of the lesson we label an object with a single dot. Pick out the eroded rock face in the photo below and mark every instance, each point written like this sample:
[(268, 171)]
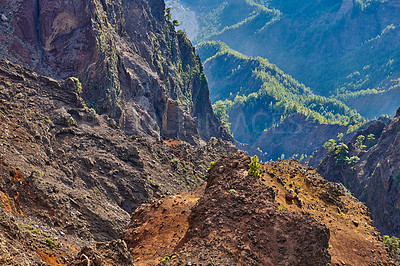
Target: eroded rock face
[(238, 217), (375, 178), (132, 63), (296, 135), (108, 253), (75, 177), (236, 221)]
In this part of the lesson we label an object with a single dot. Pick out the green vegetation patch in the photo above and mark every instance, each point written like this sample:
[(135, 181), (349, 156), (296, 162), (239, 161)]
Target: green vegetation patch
[(49, 242), (392, 243), (254, 85), (254, 167)]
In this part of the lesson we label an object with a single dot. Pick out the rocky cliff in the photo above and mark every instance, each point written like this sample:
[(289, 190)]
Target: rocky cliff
[(295, 136), (375, 177), (69, 177), (132, 64)]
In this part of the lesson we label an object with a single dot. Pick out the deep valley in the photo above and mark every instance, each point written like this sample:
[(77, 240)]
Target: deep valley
[(248, 132)]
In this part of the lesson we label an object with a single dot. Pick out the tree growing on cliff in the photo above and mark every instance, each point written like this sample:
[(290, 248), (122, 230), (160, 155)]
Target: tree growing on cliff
[(353, 160), (330, 145), (392, 243), (341, 153), (371, 137), (370, 141), (175, 22), (359, 142), (254, 167), (168, 14)]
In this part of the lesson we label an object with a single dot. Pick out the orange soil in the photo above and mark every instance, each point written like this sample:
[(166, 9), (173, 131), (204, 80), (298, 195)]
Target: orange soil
[(163, 229), (50, 258), (172, 142), (18, 176), (350, 244), (6, 202)]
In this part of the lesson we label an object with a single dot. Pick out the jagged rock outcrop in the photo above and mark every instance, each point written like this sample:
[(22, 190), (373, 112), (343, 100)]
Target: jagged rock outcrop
[(132, 64), (236, 219), (69, 177), (375, 127), (375, 178)]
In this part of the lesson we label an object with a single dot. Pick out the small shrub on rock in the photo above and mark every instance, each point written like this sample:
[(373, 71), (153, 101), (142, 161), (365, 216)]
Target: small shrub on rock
[(254, 167), (78, 85), (49, 242), (392, 243)]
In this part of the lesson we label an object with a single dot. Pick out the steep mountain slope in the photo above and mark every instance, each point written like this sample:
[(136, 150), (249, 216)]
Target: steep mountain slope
[(69, 177), (374, 177), (268, 109), (237, 219), (347, 49), (132, 64)]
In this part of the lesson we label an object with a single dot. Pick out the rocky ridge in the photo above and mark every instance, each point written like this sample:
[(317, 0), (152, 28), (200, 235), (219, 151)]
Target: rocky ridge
[(237, 219), (70, 177), (296, 135)]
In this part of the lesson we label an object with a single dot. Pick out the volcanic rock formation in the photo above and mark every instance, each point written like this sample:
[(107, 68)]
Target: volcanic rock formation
[(375, 178), (132, 64), (73, 177), (236, 219)]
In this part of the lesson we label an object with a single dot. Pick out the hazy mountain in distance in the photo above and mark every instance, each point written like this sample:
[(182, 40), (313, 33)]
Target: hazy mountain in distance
[(344, 49), (267, 108)]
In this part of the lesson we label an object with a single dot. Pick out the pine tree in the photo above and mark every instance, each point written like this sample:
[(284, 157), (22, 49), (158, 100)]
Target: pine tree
[(168, 15), (254, 167), (359, 142)]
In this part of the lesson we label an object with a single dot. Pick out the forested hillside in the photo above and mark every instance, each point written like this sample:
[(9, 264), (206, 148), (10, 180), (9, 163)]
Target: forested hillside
[(344, 49), (255, 96)]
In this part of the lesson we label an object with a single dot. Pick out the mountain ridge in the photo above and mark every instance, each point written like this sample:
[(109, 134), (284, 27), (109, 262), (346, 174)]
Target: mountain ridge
[(346, 49), (268, 109), (111, 153)]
